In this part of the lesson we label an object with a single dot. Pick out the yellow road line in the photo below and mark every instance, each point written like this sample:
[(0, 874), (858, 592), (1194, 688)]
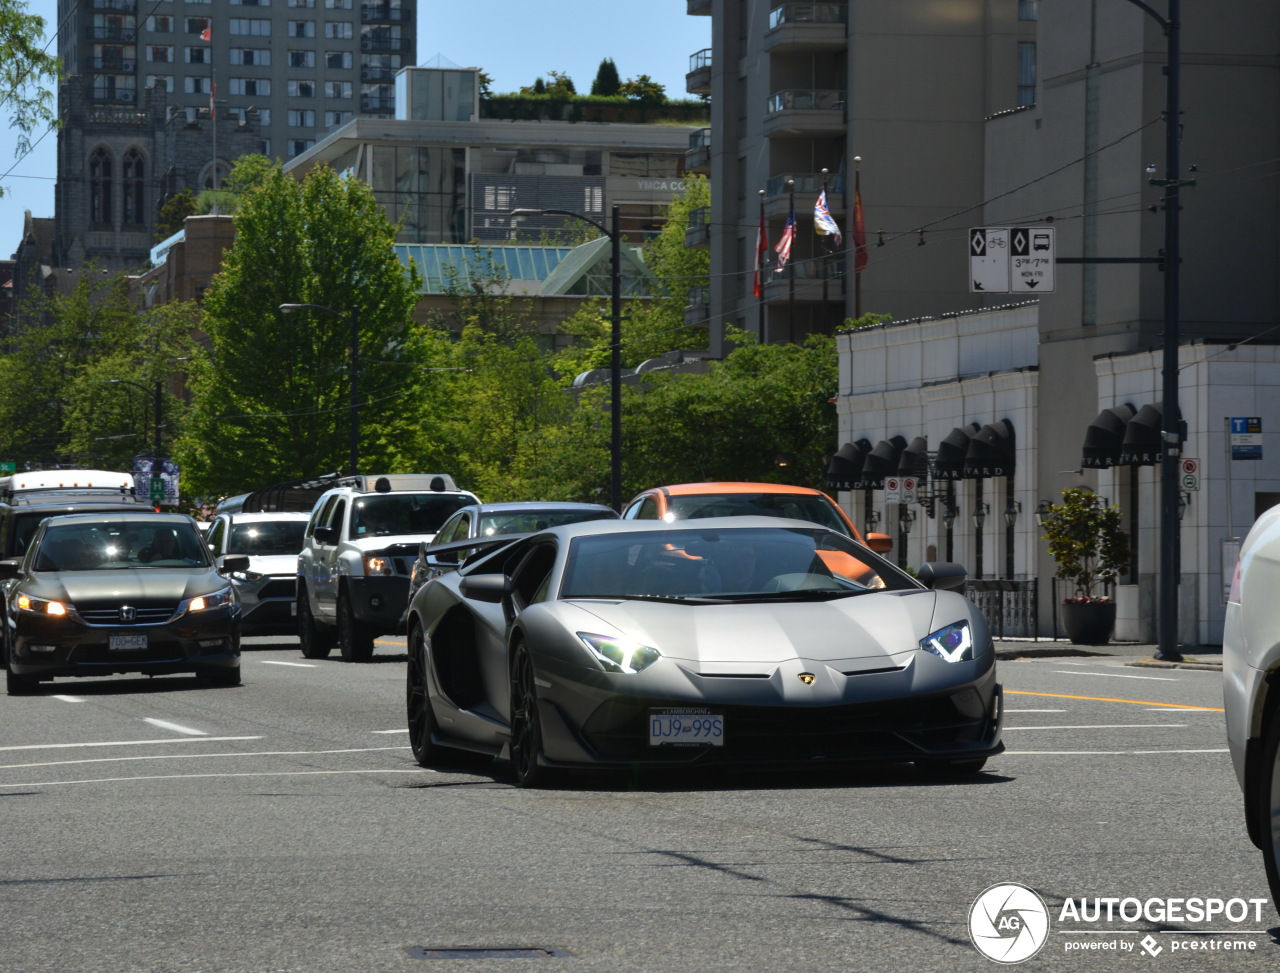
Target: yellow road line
[(1108, 699)]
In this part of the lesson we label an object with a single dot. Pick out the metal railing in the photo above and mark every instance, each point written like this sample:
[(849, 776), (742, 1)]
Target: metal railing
[(804, 99), (1008, 606), (701, 139), (806, 183), (699, 60), (808, 13)]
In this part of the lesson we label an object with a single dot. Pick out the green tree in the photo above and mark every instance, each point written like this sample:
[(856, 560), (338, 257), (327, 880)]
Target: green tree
[(271, 396), (607, 81), (173, 211), (644, 90), (1088, 542), (27, 73)]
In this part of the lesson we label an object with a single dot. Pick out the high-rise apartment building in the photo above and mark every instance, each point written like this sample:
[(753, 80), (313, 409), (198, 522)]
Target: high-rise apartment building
[(166, 94)]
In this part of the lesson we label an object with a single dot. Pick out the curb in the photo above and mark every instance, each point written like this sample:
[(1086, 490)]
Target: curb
[(1185, 664)]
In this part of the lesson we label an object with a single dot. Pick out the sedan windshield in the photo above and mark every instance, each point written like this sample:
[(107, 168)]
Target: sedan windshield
[(98, 546), (404, 513), (737, 564), (267, 537), (797, 506)]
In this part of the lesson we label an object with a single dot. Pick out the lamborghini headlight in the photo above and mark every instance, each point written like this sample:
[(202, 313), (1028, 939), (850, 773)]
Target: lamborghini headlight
[(620, 654), (218, 599), (44, 606), (951, 644)]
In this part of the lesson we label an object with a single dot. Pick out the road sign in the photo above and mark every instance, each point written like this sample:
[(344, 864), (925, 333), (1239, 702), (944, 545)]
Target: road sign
[(892, 489), (989, 260), (1031, 259), (1189, 473), (1246, 437), (8, 467), (910, 490), (157, 490)]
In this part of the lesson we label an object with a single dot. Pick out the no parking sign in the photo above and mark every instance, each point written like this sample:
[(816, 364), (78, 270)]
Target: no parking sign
[(1189, 473)]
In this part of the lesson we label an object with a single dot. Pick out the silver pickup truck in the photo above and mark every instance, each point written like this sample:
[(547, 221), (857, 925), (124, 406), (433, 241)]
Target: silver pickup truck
[(358, 548)]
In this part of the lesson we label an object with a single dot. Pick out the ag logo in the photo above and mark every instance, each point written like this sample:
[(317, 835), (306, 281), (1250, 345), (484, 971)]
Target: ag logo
[(1008, 923)]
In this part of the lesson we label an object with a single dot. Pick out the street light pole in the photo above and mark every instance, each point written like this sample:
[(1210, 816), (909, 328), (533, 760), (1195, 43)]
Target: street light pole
[(353, 435), (614, 233), (157, 398)]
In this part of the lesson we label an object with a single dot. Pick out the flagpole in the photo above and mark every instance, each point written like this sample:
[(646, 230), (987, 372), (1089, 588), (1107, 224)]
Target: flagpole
[(213, 114), (825, 251), (791, 297), (762, 248), (857, 205)]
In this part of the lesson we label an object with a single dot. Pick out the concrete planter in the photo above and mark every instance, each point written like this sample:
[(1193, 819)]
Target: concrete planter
[(1089, 623)]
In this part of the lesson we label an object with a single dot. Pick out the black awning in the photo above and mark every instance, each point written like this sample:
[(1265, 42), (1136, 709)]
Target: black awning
[(1142, 437), (948, 462), (914, 460), (991, 452), (1104, 438), (881, 462), (845, 466)]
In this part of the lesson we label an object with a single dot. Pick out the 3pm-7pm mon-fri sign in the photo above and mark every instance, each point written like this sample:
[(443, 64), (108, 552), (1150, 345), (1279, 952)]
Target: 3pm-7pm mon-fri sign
[(1018, 259)]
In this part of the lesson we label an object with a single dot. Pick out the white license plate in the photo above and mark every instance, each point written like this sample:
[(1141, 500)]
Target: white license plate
[(684, 726), (126, 643)]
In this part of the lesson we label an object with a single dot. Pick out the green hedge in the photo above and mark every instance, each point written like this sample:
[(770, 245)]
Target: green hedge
[(592, 108)]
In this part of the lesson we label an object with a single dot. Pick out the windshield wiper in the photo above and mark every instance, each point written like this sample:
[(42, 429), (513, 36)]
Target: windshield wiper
[(670, 599)]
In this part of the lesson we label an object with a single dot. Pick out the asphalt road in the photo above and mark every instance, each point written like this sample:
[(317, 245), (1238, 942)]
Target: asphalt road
[(157, 825)]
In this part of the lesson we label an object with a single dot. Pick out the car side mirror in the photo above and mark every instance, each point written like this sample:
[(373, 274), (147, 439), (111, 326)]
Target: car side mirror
[(880, 543), (11, 567), (486, 587), (230, 563), (942, 575), (325, 535)]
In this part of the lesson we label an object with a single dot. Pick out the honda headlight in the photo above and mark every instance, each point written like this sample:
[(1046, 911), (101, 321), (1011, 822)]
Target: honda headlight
[(218, 599), (618, 654), (43, 606), (377, 565), (951, 644)]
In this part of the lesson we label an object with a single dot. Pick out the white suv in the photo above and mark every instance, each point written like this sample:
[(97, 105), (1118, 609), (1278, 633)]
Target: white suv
[(358, 549)]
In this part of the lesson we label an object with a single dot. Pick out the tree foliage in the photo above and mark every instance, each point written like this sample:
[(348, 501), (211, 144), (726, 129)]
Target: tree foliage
[(606, 81), (644, 90), (27, 73), (271, 398), (1087, 540)]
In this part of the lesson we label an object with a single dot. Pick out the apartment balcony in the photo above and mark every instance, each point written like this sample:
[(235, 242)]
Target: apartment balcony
[(124, 96), (113, 65), (375, 74), (700, 8), (381, 13), (806, 281), (777, 195), (112, 32), (115, 6), (698, 80), (805, 112), (697, 235), (698, 156), (807, 27), (378, 105), (697, 313), (384, 45)]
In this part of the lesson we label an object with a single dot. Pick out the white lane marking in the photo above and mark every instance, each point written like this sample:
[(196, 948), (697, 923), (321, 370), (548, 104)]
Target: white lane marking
[(1107, 726), (299, 665), (268, 773), (175, 727), (1097, 753), (1114, 675), (126, 743), (405, 730), (1035, 711), (198, 756), (69, 699)]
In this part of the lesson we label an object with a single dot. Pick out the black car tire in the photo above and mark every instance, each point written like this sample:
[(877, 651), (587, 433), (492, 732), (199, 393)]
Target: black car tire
[(355, 640), (526, 725), (950, 769), (19, 685), (220, 676), (1267, 802), (316, 642), (422, 718)]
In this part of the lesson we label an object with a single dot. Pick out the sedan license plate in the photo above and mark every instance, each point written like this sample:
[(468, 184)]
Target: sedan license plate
[(126, 643), (685, 726)]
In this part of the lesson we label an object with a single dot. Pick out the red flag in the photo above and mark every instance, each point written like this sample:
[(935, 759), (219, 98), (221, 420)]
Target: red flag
[(762, 247), (859, 233), (783, 248), (207, 33)]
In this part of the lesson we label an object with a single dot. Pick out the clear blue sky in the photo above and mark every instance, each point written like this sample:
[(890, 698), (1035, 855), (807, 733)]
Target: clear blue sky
[(513, 41)]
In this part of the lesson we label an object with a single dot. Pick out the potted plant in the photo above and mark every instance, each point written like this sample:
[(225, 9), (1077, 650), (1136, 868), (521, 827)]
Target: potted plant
[(1090, 547)]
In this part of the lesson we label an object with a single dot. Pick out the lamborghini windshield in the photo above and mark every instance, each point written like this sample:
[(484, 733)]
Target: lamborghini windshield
[(735, 564)]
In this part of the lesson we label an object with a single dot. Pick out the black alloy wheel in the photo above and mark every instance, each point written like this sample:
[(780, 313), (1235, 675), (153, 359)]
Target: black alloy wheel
[(355, 641), (316, 643), (526, 725)]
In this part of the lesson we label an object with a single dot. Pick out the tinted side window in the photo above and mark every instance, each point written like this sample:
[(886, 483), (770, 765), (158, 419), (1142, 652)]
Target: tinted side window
[(339, 514), (532, 575), (321, 514), (216, 534), (647, 510)]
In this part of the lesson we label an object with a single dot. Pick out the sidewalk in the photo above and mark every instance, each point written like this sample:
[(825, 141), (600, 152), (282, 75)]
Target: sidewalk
[(1127, 653)]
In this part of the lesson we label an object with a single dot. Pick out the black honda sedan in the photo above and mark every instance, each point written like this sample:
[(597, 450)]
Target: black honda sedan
[(111, 593)]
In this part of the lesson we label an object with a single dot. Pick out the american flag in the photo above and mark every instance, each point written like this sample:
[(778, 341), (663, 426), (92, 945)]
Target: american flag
[(783, 249), (823, 224)]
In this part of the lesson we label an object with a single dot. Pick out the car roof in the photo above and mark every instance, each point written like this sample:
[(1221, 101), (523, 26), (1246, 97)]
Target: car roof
[(143, 516), (731, 486), (707, 523), (238, 517), (522, 506)]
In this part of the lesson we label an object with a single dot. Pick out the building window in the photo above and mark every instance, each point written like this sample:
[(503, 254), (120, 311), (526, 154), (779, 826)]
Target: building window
[(100, 186), (302, 59), (160, 25), (333, 119), (593, 199), (302, 118), (198, 55), (337, 89), (249, 27), (301, 28), (499, 199), (1028, 9), (160, 53), (340, 60), (134, 187), (264, 119), (298, 146), (302, 89), (260, 87), (1026, 73), (195, 84), (165, 79), (195, 25), (337, 4), (338, 30), (308, 4), (251, 55), (251, 3)]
